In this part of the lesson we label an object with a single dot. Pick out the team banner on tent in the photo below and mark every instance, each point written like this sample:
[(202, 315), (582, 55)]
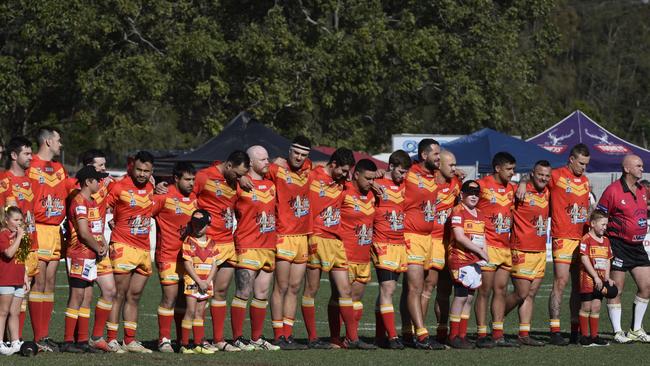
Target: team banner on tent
[(606, 148)]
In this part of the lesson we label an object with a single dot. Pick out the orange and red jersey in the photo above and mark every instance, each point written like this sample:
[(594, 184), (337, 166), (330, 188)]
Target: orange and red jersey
[(215, 195), (99, 197), (389, 213), (357, 216), (17, 191), (81, 208), (50, 187), (473, 227), (132, 208), (420, 203), (530, 217), (448, 193), (569, 203), (201, 254), (496, 203), (325, 196), (13, 271), (172, 212), (293, 199), (599, 254), (255, 212)]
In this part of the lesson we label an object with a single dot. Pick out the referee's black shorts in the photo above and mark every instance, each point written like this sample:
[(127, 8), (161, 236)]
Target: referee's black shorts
[(628, 256)]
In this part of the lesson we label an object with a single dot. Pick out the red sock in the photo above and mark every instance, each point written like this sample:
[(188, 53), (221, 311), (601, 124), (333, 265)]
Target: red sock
[(111, 331), (497, 330), (165, 318), (334, 321), (584, 323), (422, 334), (71, 316), (46, 313), (237, 316), (554, 324), (388, 320), (442, 332), (83, 324), (218, 313), (481, 331), (593, 324), (278, 328), (288, 326), (186, 328), (346, 308), (524, 330), (462, 332), (129, 331), (309, 316), (199, 329), (35, 305), (380, 328), (454, 322), (358, 311), (102, 312), (257, 314)]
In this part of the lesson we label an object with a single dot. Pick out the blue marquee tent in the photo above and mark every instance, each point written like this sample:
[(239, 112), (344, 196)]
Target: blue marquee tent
[(480, 146)]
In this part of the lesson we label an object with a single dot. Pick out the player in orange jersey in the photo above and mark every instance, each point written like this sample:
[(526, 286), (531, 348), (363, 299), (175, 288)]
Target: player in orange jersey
[(84, 246), (16, 190), (215, 188), (467, 252), (569, 189), (420, 213), (294, 226), (50, 189), (172, 211), (528, 242), (255, 241), (131, 201), (389, 247), (496, 202), (326, 252)]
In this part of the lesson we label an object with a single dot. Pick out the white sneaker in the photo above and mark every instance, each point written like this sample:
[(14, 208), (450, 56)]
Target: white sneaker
[(115, 346), (15, 346), (638, 335), (4, 350), (263, 345), (243, 345), (165, 346), (619, 337), (136, 347), (226, 347)]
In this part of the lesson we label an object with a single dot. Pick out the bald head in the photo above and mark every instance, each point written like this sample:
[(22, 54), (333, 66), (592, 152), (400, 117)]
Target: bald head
[(447, 164), (259, 160), (632, 167)]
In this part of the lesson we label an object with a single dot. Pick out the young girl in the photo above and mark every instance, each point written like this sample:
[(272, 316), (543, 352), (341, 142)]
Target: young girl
[(595, 256), (13, 281), (199, 254), (466, 252)]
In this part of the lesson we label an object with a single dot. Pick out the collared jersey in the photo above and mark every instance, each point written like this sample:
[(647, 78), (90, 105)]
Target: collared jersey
[(325, 197), (420, 203), (172, 212), (627, 211), (256, 217), (530, 217), (132, 208), (49, 184), (215, 195), (496, 203), (293, 199), (474, 229), (17, 191), (569, 203), (389, 213), (201, 254), (81, 208), (357, 216), (599, 253), (13, 271), (99, 197), (448, 194)]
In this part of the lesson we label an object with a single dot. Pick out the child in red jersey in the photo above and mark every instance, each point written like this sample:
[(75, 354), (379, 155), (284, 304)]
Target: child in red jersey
[(595, 283), (13, 281), (466, 253), (199, 256)]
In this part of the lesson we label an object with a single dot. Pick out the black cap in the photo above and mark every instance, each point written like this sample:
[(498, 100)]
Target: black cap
[(471, 187), (89, 172), (608, 291), (28, 349), (201, 220)]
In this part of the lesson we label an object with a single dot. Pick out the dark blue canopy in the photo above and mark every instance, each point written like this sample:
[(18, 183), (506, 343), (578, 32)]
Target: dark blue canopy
[(481, 146)]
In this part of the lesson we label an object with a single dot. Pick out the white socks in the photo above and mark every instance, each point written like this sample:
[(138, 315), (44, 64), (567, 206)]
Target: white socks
[(614, 311), (638, 309)]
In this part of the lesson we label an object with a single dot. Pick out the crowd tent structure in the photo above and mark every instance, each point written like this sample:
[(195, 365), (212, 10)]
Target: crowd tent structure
[(606, 149), (478, 148), (239, 134)]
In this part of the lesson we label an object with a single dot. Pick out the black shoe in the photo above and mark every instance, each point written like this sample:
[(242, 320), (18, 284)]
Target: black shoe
[(70, 347), (599, 341), (283, 344), (408, 340), (586, 342), (417, 344), (358, 344), (503, 342), (318, 344), (485, 342), (297, 346), (575, 338), (435, 345), (556, 339), (460, 343), (528, 341), (52, 344), (382, 342), (87, 349), (395, 343)]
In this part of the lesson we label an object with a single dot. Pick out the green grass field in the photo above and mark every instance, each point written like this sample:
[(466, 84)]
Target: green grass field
[(148, 331)]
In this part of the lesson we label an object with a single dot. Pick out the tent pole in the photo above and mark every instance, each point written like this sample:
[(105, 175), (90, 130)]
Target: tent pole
[(476, 176)]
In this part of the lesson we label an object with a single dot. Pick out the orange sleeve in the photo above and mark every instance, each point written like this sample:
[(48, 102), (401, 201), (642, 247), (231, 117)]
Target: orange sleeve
[(199, 182), (158, 202)]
